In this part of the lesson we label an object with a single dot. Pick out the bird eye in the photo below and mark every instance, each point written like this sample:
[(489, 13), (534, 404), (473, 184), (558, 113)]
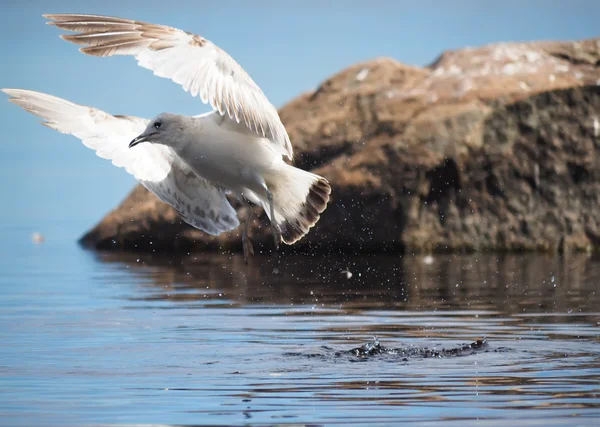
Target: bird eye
[(157, 125)]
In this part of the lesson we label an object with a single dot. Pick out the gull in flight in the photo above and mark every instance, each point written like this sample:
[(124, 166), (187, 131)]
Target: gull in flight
[(191, 163)]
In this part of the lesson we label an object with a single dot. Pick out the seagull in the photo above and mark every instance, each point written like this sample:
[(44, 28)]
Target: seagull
[(191, 163)]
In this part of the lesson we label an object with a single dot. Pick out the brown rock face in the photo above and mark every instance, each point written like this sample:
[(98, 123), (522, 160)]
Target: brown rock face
[(494, 148)]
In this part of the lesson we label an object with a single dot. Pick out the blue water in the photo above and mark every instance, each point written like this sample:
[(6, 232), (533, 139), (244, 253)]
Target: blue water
[(104, 338)]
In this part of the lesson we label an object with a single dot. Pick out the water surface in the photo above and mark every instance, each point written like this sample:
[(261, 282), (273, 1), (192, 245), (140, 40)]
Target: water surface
[(91, 339)]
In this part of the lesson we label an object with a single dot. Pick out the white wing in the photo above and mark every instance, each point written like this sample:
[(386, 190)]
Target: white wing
[(188, 59), (155, 166)]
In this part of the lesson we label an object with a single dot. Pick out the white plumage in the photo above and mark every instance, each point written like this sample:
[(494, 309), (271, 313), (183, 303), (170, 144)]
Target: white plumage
[(190, 162), (195, 63), (155, 166)]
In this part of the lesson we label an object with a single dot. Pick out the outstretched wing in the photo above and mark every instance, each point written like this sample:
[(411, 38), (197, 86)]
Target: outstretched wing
[(155, 166), (188, 59)]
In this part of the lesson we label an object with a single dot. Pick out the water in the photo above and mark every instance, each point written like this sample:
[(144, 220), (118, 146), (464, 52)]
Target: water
[(94, 339)]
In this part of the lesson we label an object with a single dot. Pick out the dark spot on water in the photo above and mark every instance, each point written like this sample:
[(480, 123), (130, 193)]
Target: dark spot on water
[(374, 348)]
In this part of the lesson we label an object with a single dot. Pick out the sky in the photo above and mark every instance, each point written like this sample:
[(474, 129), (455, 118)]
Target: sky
[(50, 181)]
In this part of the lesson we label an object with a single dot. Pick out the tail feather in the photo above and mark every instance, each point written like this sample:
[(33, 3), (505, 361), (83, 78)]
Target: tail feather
[(299, 197)]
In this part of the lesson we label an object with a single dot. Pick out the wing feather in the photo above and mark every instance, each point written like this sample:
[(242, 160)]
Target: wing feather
[(155, 166), (195, 63)]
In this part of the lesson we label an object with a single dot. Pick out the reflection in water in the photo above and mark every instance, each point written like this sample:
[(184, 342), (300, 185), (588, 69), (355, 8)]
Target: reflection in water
[(528, 284), (208, 340), (540, 313)]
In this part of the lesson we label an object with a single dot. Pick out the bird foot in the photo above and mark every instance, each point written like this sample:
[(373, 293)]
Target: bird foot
[(248, 249), (276, 234)]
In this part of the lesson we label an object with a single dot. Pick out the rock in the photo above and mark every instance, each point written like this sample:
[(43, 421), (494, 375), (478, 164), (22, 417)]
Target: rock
[(491, 148)]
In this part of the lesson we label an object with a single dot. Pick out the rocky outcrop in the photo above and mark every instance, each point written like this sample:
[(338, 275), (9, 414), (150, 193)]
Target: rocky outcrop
[(491, 148)]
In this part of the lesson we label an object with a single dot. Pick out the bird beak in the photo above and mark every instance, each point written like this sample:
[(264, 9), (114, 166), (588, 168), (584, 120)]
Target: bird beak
[(137, 140)]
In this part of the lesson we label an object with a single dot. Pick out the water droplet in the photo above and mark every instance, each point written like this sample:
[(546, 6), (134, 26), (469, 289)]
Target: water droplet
[(37, 238)]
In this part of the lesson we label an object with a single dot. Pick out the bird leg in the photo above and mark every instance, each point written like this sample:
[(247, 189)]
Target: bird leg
[(246, 242), (274, 227)]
